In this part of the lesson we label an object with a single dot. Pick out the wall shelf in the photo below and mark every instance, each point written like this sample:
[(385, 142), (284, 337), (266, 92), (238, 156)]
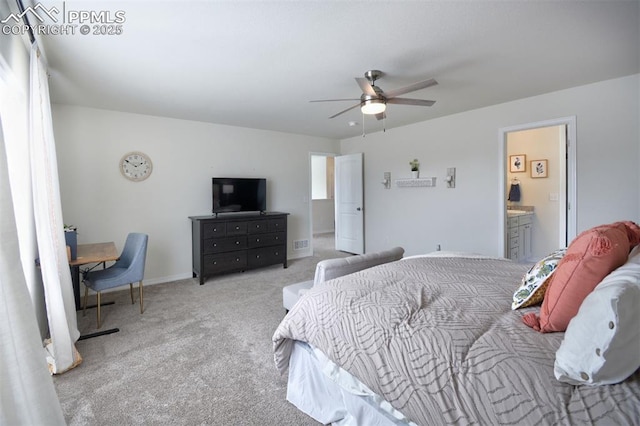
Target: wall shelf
[(413, 183)]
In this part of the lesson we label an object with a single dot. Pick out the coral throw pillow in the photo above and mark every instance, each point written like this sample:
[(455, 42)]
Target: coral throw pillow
[(633, 232), (589, 258)]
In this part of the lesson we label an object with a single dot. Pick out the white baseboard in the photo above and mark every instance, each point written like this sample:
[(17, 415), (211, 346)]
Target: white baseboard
[(160, 280)]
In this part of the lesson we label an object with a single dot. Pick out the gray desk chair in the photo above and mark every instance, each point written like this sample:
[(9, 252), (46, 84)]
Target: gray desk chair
[(128, 269)]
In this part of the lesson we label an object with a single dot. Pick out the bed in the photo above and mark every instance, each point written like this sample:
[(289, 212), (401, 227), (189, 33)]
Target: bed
[(430, 340)]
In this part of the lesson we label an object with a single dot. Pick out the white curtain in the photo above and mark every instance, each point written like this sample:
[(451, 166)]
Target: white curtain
[(56, 276), (27, 393)]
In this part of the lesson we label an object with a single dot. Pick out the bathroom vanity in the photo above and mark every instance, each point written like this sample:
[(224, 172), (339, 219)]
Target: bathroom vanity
[(519, 234)]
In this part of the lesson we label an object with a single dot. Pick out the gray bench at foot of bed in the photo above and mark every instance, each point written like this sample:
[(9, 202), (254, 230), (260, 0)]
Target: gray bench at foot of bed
[(334, 268)]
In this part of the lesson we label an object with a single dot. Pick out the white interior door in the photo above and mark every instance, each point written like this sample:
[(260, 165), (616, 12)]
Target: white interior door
[(349, 203)]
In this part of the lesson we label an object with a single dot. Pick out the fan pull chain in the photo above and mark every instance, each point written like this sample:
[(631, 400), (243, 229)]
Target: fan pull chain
[(363, 134)]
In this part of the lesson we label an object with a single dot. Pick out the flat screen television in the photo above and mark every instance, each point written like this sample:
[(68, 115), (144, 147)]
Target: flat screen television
[(239, 195)]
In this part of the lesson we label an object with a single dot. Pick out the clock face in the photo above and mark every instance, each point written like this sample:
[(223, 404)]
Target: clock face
[(136, 166)]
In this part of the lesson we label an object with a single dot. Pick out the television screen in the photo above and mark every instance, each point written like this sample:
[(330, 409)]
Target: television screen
[(239, 195)]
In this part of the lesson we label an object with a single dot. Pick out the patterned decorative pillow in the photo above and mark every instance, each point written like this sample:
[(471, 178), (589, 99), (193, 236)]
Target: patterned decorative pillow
[(535, 281)]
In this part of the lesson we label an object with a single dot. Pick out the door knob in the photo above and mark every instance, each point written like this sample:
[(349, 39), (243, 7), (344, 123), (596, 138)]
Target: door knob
[(359, 209)]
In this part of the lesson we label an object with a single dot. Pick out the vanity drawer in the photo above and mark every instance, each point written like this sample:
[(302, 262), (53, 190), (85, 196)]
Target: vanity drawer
[(512, 221), (513, 253), (513, 232), (524, 219)]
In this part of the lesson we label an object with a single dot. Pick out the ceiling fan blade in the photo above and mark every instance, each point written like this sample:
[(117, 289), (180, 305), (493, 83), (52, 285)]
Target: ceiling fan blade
[(366, 86), (381, 116), (405, 101), (348, 109), (335, 100), (411, 88)]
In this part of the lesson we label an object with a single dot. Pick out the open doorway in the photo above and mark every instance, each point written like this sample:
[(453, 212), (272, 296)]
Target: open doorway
[(546, 186), (322, 204)]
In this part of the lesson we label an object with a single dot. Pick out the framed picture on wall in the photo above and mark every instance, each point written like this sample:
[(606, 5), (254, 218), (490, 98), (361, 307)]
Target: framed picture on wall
[(518, 163), (539, 168)]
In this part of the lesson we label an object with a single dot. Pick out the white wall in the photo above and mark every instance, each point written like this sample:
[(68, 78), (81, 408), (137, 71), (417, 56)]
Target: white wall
[(467, 217), (185, 155)]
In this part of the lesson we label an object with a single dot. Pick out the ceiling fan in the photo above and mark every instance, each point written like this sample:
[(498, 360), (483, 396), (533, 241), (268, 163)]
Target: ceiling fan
[(374, 100)]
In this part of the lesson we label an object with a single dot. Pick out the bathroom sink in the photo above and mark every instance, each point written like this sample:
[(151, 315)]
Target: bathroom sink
[(516, 212)]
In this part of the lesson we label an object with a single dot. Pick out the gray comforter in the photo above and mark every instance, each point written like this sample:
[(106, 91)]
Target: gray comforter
[(436, 337)]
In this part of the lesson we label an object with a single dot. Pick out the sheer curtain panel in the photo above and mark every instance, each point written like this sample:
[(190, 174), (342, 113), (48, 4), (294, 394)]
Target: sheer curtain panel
[(27, 394), (56, 276)]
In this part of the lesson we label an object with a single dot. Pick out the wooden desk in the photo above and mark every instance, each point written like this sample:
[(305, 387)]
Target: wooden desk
[(90, 253), (95, 253)]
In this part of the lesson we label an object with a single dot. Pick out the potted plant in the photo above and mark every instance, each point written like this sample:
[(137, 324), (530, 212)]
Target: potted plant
[(415, 168)]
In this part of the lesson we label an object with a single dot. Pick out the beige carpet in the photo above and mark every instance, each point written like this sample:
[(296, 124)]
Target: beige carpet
[(199, 355)]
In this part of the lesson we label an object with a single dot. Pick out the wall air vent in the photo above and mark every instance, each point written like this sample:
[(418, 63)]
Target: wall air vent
[(300, 244)]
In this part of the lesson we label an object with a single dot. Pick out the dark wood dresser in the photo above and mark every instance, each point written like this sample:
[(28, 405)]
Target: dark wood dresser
[(237, 242)]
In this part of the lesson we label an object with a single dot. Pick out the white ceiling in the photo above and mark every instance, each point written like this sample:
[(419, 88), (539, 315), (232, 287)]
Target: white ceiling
[(257, 64)]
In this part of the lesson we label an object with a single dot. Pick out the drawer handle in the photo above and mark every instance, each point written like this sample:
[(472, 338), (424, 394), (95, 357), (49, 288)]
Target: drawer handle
[(277, 238), (257, 240), (277, 253), (237, 242), (257, 226), (237, 227), (215, 263), (215, 244), (257, 256), (237, 259)]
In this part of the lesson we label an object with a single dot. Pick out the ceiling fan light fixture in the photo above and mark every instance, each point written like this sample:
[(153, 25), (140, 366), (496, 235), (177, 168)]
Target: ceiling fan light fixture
[(373, 106)]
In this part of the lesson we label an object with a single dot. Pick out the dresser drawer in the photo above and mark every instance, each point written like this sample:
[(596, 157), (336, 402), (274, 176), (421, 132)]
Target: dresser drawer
[(210, 230), (219, 245), (279, 224), (236, 228), (224, 262), (266, 256), (257, 227), (264, 240)]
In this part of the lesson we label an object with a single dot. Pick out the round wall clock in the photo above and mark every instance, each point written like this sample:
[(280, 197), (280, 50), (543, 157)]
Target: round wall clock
[(136, 166)]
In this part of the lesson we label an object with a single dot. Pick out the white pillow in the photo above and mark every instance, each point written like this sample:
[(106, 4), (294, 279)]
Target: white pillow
[(602, 343)]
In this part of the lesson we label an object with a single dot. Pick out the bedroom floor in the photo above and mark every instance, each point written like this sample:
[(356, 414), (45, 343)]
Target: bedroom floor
[(198, 354)]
